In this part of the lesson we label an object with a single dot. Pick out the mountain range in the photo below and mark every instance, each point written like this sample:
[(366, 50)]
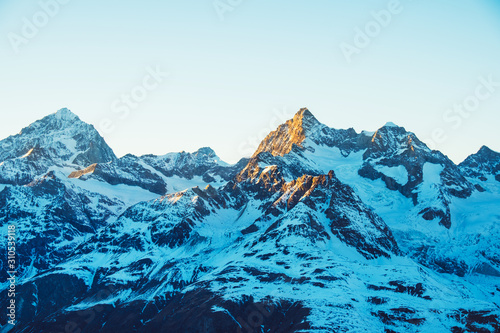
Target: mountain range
[(320, 230)]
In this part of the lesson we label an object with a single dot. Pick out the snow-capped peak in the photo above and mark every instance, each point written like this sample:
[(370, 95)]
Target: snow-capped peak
[(65, 114), (483, 154), (390, 124), (58, 140), (205, 151), (305, 119), (486, 150), (292, 133), (481, 164), (325, 230)]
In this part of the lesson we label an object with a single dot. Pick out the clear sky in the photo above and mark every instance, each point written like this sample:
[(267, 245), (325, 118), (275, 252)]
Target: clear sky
[(238, 68)]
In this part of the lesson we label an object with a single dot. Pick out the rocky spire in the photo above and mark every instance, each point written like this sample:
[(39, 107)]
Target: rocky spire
[(293, 132)]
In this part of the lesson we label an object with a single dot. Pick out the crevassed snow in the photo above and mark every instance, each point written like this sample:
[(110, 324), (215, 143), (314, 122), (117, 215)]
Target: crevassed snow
[(476, 222), (430, 187), (398, 173), (330, 158)]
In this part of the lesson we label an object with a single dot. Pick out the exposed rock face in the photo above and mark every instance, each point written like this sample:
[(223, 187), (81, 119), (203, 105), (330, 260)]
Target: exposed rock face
[(203, 162), (52, 219), (393, 146), (304, 126), (484, 163), (293, 132), (405, 165), (156, 173), (391, 149), (127, 170), (60, 139), (321, 230), (190, 312)]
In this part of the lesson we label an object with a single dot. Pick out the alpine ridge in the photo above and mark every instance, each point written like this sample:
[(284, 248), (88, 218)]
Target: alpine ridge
[(320, 230), (70, 143)]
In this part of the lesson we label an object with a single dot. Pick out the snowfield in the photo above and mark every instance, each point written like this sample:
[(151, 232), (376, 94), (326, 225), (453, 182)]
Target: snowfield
[(321, 230)]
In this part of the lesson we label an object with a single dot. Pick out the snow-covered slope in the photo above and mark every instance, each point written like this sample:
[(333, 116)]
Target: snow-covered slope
[(321, 230), (164, 174), (482, 165), (415, 190), (58, 140), (57, 206), (62, 142), (308, 257), (52, 219), (391, 154)]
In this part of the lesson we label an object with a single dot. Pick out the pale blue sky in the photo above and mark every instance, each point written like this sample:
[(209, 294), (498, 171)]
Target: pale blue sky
[(229, 78)]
